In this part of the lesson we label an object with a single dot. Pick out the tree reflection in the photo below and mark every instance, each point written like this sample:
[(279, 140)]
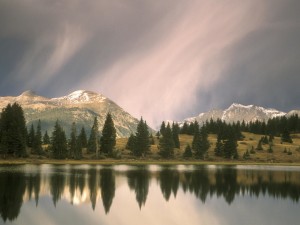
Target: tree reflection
[(138, 180), (33, 186), (12, 189), (57, 185), (169, 182), (108, 187), (202, 182), (92, 183)]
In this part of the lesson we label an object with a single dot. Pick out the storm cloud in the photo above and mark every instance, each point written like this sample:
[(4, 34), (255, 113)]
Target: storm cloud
[(167, 59)]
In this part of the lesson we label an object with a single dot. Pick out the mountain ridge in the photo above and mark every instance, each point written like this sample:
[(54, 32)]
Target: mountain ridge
[(238, 112), (80, 106)]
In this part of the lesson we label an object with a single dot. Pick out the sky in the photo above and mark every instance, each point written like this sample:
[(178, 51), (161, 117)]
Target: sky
[(168, 59)]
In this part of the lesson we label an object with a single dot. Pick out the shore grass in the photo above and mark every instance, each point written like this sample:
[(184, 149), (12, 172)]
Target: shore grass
[(139, 162)]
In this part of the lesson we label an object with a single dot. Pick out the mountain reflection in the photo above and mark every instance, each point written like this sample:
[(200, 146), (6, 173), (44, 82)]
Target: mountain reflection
[(91, 184)]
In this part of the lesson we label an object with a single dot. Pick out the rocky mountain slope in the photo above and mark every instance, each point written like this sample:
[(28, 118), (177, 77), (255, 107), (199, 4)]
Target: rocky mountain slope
[(237, 112), (80, 107)]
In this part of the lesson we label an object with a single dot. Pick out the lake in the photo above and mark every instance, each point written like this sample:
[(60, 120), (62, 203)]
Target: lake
[(88, 194)]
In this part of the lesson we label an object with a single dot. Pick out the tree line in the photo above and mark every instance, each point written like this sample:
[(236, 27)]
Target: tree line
[(15, 139)]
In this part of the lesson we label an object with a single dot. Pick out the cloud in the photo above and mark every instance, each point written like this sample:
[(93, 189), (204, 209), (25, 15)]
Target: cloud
[(157, 59), (164, 79)]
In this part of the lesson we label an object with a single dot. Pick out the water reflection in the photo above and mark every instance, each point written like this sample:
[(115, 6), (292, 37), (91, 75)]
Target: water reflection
[(79, 185), (138, 180)]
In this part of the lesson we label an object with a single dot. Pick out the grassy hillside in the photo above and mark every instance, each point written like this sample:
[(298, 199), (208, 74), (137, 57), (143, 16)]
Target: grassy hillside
[(250, 140)]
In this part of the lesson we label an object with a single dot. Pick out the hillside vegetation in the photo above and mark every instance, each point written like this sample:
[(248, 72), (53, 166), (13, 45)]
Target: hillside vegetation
[(282, 152)]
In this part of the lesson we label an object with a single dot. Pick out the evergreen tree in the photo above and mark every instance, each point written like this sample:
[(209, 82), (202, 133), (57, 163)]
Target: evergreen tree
[(131, 142), (185, 128), (166, 143), (230, 146), (59, 142), (196, 138), (78, 149), (259, 145), (93, 143), (108, 138), (83, 138), (188, 152), (162, 128), (73, 141), (157, 135), (219, 147), (285, 136), (46, 138), (31, 135), (200, 143), (230, 149), (37, 141), (175, 132), (270, 149), (141, 143), (13, 132)]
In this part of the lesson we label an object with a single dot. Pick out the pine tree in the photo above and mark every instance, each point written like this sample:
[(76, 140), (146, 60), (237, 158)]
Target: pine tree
[(185, 128), (285, 137), (46, 138), (157, 135), (270, 149), (175, 132), (31, 135), (73, 141), (162, 128), (83, 138), (219, 147), (78, 150), (37, 141), (196, 138), (200, 143), (13, 132), (131, 142), (141, 143), (93, 143), (259, 145), (188, 152), (230, 146), (59, 142), (108, 138), (166, 143)]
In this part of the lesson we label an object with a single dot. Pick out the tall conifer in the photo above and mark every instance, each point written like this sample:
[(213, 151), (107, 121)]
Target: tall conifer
[(108, 138)]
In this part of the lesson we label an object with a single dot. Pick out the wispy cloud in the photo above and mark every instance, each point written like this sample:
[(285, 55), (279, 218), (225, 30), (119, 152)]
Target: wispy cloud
[(157, 59)]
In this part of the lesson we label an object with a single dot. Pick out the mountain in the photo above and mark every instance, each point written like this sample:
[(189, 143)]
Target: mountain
[(80, 107), (237, 112)]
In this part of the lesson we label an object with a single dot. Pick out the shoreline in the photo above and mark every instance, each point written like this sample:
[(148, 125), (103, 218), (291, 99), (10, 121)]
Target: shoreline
[(139, 162)]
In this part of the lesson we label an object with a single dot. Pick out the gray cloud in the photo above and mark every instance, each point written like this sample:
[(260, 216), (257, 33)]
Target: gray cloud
[(158, 59)]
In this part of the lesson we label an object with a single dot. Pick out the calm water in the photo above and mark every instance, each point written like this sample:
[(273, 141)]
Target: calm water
[(132, 195)]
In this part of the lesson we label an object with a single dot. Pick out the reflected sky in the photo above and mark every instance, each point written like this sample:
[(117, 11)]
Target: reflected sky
[(149, 195)]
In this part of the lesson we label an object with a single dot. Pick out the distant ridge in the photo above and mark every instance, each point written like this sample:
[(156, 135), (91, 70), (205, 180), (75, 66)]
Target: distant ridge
[(238, 112)]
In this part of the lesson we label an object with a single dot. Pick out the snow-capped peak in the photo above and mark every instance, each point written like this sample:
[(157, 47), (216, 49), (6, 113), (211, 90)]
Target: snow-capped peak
[(82, 96), (237, 105), (238, 112)]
